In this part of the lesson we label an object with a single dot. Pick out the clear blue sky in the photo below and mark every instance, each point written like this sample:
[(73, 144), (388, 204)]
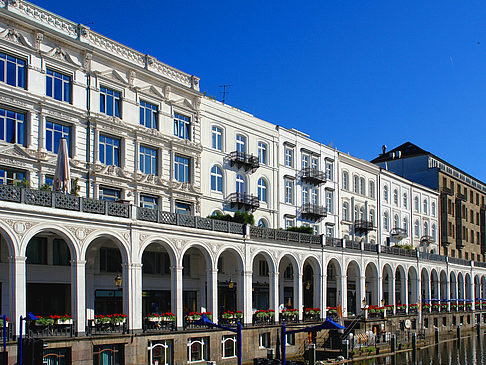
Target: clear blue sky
[(357, 74)]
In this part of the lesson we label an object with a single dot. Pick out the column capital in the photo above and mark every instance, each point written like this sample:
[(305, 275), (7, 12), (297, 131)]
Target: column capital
[(212, 271), (176, 268), (77, 262), (17, 258)]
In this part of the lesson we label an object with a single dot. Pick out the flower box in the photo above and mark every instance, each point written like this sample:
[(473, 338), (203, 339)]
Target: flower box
[(66, 321), (154, 319)]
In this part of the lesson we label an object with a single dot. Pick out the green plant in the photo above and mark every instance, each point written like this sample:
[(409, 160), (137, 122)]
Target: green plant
[(238, 217), (406, 247), (301, 229), (23, 183), (46, 187), (370, 349), (44, 321)]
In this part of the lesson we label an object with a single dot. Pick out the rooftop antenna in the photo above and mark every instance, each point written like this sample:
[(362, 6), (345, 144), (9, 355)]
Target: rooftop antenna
[(224, 92)]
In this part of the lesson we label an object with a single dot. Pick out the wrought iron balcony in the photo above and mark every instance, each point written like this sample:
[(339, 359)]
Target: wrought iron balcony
[(243, 201), (399, 233), (313, 211), (244, 160), (363, 226), (427, 239), (313, 176)]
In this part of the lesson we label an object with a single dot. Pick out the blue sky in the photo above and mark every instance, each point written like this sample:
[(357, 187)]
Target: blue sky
[(357, 74)]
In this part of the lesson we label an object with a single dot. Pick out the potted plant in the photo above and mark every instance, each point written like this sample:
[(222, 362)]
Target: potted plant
[(154, 317), (239, 314), (169, 316), (44, 321), (102, 319), (389, 309), (64, 319), (413, 308), (261, 314)]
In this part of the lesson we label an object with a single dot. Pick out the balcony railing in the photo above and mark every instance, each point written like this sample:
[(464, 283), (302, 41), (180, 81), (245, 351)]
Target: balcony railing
[(427, 239), (281, 235), (313, 211), (96, 328), (244, 160), (363, 226), (313, 176), (399, 233), (243, 201)]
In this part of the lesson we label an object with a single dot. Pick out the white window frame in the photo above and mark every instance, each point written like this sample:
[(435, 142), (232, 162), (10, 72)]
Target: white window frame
[(204, 350)]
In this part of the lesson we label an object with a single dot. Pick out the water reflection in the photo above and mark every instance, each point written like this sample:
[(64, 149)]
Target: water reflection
[(470, 350)]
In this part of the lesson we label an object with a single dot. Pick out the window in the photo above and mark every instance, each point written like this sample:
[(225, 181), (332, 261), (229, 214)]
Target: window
[(396, 221), (149, 115), (356, 212), (395, 197), (182, 126), (11, 177), (305, 194), (405, 200), (60, 253), (57, 356), (181, 169), (372, 188), (148, 160), (240, 184), (329, 171), (372, 216), (290, 339), (110, 259), (262, 190), (362, 186), (315, 164), (362, 215), (110, 102), (108, 355), (240, 143), (12, 70), (426, 229), (12, 127), (217, 138), (109, 150), (330, 201), (160, 352), (385, 220), (289, 157), (262, 153), (432, 209), (58, 86), (305, 160), (262, 223), (289, 272), (264, 340), (345, 211), (147, 201), (315, 196), (345, 180), (405, 225), (183, 208), (416, 204), (416, 228), (289, 222), (216, 179), (434, 232), (330, 231), (289, 192), (385, 193), (37, 251), (228, 346), (262, 268), (109, 194), (54, 133), (425, 206), (355, 183)]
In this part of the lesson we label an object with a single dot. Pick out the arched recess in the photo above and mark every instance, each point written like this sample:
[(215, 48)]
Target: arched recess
[(483, 287), (353, 289), (106, 262), (425, 285), (311, 283), (443, 286), (333, 284), (157, 259), (387, 285), (434, 284), (460, 286), (288, 270), (8, 250), (412, 284), (468, 288), (371, 284), (230, 285), (49, 287), (453, 286), (400, 286), (262, 268)]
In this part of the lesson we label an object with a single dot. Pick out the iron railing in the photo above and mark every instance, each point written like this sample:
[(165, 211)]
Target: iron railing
[(313, 211), (243, 200), (313, 176), (244, 160)]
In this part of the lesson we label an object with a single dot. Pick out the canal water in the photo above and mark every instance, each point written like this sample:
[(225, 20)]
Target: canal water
[(468, 351)]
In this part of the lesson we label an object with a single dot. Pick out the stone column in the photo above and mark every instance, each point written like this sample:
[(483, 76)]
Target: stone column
[(78, 295), (324, 295), (273, 293), (247, 296), (42, 133), (18, 292), (176, 294), (362, 289), (319, 294), (344, 294), (298, 294), (212, 294), (379, 290), (132, 295), (73, 147), (405, 292), (391, 290), (96, 146)]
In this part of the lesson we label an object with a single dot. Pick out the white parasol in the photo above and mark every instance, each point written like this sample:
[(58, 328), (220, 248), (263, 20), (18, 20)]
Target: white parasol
[(62, 176)]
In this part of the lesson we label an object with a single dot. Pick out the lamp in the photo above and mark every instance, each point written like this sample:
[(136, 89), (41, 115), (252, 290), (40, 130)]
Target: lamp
[(118, 281), (308, 285), (231, 284), (382, 302), (364, 302)]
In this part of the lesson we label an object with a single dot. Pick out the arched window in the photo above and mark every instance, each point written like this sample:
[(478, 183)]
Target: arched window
[(362, 213), (385, 220), (416, 228), (355, 183), (432, 208), (372, 188), (396, 221), (395, 197), (426, 229), (217, 212), (434, 232), (216, 179), (405, 225), (405, 200), (262, 190), (362, 186), (356, 212), (345, 211), (240, 184), (345, 180), (262, 223), (385, 193), (416, 204), (372, 216), (425, 206)]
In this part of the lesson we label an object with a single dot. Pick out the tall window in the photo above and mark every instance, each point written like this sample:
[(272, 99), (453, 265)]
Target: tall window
[(405, 200), (240, 184), (147, 201), (228, 346), (416, 204), (345, 180), (386, 220), (315, 196), (362, 186), (12, 127), (160, 352), (305, 194), (11, 177), (434, 232), (385, 193), (425, 206), (432, 209), (330, 201), (362, 215), (315, 163), (372, 188), (345, 211), (262, 153), (149, 115), (405, 224), (289, 191), (262, 190), (216, 138), (305, 160), (109, 150), (12, 70), (181, 169), (240, 143), (426, 229), (197, 349), (148, 160), (329, 171), (182, 126), (355, 183), (54, 133), (396, 221), (58, 85), (372, 216), (416, 228), (110, 102), (289, 157), (216, 179), (108, 354), (395, 196)]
